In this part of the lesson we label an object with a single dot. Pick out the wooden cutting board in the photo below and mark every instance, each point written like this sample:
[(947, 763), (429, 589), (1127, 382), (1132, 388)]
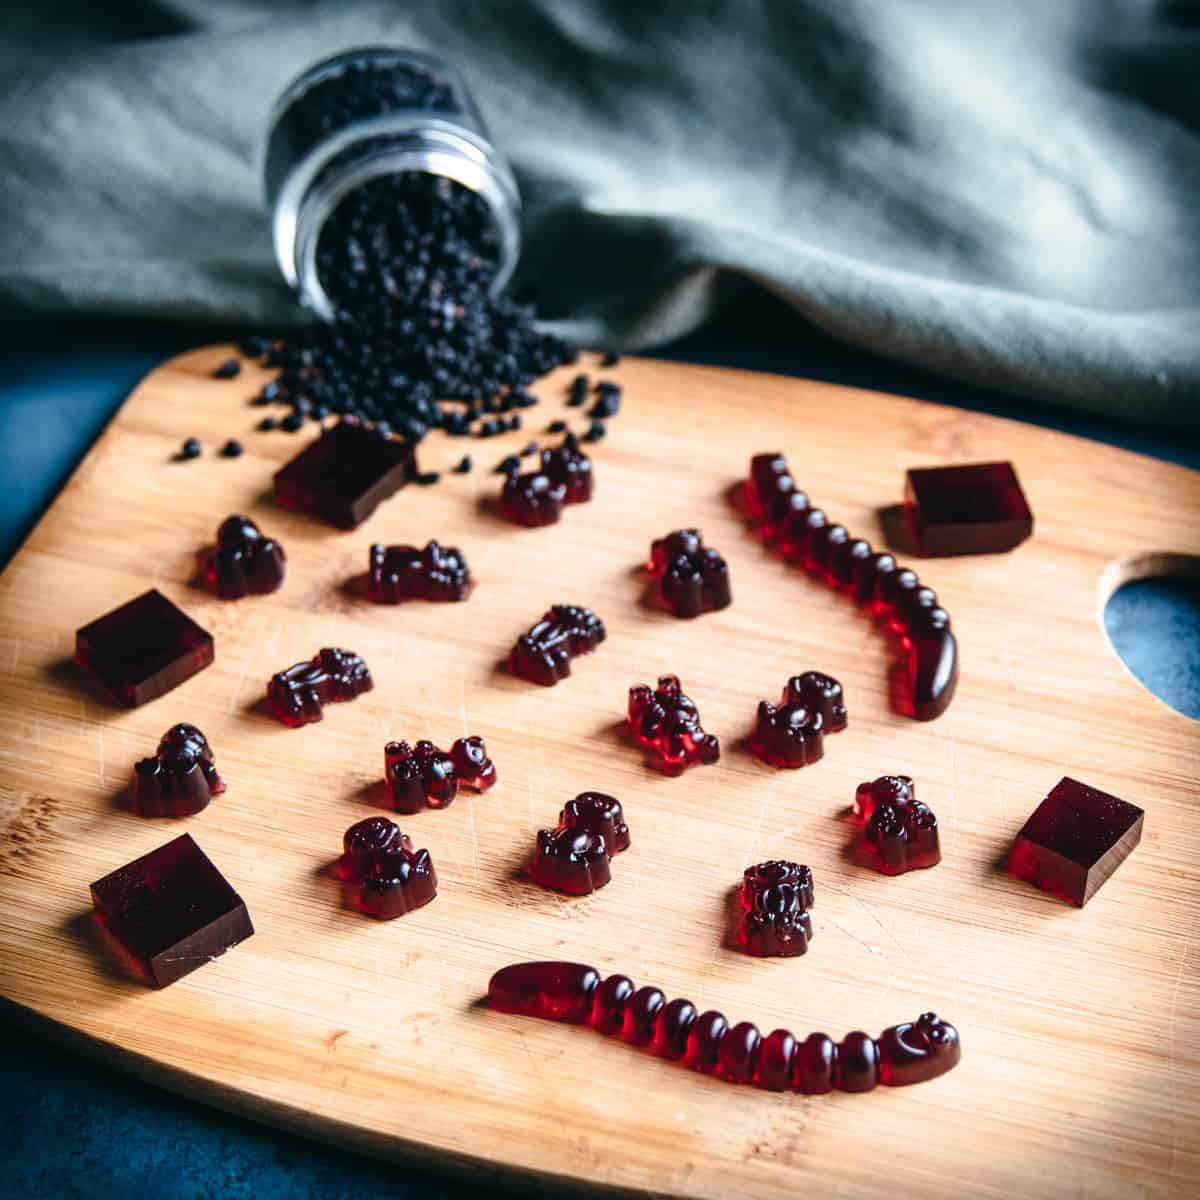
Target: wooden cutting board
[(1081, 1029)]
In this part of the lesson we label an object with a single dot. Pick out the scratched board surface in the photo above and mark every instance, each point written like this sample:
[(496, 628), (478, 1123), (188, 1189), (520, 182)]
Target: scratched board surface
[(1081, 1029)]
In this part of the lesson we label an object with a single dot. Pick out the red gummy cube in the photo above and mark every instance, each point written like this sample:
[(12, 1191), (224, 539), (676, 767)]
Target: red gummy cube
[(345, 474), (978, 509), (244, 562), (298, 695), (667, 724), (169, 912), (143, 649), (396, 573), (776, 897), (1074, 840), (180, 779), (900, 831), (383, 876)]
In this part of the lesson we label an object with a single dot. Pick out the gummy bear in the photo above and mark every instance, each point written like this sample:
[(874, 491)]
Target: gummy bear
[(563, 476), (382, 875), (1074, 840), (437, 572), (568, 465), (912, 1052), (805, 534), (170, 911), (694, 579), (666, 722), (143, 649), (792, 733), (296, 696), (574, 858), (776, 897), (423, 775), (977, 509), (900, 831), (180, 779), (346, 473), (543, 654), (243, 561)]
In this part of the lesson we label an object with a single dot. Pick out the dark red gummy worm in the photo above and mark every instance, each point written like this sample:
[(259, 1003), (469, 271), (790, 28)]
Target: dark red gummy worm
[(562, 991)]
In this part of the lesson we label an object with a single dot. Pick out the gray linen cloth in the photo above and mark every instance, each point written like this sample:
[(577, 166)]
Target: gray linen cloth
[(1004, 191)]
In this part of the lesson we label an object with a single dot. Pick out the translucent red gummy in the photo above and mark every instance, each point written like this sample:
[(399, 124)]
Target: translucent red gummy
[(894, 594), (243, 562), (563, 476), (694, 578), (574, 857), (543, 655), (298, 695), (143, 649), (977, 509), (423, 775), (396, 573), (345, 474), (667, 724), (900, 832), (776, 897), (792, 733), (180, 779), (169, 912), (572, 992), (1074, 840), (382, 875)]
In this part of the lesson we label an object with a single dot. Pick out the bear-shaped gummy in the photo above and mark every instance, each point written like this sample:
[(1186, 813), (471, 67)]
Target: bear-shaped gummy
[(244, 562), (694, 579), (532, 499), (574, 857), (180, 779), (597, 812), (425, 776), (382, 875), (543, 654), (667, 724), (568, 465), (298, 695), (792, 732), (776, 897), (900, 832), (435, 572)]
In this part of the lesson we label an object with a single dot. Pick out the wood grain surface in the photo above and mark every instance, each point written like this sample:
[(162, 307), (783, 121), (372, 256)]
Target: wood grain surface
[(1080, 1074)]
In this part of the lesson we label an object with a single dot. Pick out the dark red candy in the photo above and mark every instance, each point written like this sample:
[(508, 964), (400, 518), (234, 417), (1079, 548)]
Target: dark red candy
[(858, 1062), (569, 466), (977, 509), (143, 649), (436, 572), (472, 766), (169, 912), (543, 655), (298, 695), (776, 1061), (694, 579), (345, 474), (611, 1001), (823, 546), (845, 559), (419, 776), (598, 813), (900, 831), (570, 860), (737, 1056), (932, 668), (769, 492), (532, 499), (383, 876), (1074, 840), (816, 1065), (916, 1051), (776, 897), (795, 533), (869, 573), (675, 1022), (704, 1041), (244, 562), (180, 779), (641, 1015), (554, 991), (667, 723), (363, 844), (792, 733)]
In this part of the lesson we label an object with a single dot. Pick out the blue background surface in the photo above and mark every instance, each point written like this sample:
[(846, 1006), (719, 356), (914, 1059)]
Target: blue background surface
[(69, 1128)]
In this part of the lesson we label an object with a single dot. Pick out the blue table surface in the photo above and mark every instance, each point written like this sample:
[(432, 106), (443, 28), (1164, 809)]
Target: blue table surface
[(71, 1128)]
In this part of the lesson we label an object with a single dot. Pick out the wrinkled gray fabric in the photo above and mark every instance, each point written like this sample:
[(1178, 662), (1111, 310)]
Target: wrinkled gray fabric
[(1005, 191)]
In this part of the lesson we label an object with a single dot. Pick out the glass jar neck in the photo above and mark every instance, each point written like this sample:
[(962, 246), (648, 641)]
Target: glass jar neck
[(384, 146)]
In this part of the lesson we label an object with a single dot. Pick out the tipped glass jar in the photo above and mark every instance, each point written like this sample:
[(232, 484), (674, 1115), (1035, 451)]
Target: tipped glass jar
[(359, 117)]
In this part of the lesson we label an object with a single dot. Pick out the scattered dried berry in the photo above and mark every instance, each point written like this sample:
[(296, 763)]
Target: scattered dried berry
[(507, 465), (578, 394), (267, 424), (556, 427), (231, 449), (291, 423), (595, 432), (254, 346), (191, 448), (610, 359), (229, 369), (528, 449), (427, 477), (464, 465), (607, 405)]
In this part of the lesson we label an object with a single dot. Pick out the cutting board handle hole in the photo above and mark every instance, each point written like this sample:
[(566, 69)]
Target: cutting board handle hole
[(1150, 611)]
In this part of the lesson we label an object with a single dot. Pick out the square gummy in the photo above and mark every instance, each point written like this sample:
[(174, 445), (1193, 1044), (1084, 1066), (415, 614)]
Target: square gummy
[(170, 911), (143, 649), (978, 509), (1075, 839)]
